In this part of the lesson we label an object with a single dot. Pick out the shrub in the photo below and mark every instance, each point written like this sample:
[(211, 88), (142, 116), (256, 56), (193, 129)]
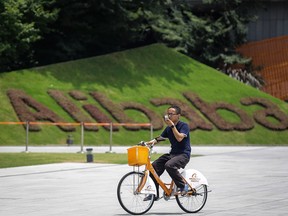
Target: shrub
[(210, 112), (71, 109), (24, 104), (271, 110)]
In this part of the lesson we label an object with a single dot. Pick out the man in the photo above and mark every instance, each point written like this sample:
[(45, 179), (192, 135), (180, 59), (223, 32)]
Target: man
[(178, 134)]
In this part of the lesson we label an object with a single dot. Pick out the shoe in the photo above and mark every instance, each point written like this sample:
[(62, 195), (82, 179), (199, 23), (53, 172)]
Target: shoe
[(184, 190), (149, 197)]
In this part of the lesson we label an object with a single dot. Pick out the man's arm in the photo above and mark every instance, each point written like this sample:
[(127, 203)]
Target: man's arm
[(156, 140), (179, 136)]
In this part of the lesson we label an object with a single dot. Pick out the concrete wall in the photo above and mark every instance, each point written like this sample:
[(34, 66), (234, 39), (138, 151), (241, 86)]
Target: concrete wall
[(272, 21)]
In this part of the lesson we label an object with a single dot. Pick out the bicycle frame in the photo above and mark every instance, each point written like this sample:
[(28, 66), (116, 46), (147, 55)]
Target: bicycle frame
[(149, 168)]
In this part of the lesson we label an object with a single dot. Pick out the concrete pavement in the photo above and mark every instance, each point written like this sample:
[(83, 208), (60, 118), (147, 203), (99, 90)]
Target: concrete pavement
[(243, 180)]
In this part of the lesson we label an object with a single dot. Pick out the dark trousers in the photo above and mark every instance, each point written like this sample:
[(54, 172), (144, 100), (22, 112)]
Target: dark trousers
[(170, 163)]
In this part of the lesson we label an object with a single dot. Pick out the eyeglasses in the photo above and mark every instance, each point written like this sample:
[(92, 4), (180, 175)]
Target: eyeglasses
[(171, 114)]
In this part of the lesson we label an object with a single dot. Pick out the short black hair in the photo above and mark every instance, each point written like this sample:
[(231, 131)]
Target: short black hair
[(177, 108)]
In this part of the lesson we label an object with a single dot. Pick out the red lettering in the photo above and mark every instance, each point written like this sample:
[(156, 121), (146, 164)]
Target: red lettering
[(116, 110), (270, 110), (99, 116), (210, 111), (28, 109), (195, 121), (71, 109), (155, 120)]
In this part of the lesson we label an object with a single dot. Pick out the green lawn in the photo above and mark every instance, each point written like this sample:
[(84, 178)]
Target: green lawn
[(28, 159), (136, 75)]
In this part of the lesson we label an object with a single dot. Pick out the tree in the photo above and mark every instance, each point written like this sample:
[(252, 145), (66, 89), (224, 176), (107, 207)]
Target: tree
[(83, 29), (22, 23), (209, 32), (43, 32)]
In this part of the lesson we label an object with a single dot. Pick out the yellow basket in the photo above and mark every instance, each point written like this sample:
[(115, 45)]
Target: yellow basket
[(138, 155)]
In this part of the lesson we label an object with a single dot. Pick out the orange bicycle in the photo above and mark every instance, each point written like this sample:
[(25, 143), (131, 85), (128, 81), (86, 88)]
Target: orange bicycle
[(136, 185)]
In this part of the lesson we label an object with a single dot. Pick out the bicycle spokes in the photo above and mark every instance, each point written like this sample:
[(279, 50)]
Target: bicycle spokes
[(194, 201)]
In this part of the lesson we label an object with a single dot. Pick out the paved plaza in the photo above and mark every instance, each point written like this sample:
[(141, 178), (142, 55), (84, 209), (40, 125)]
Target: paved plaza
[(243, 180)]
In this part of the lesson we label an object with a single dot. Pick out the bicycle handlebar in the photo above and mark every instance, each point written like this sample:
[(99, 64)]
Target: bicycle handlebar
[(154, 141), (143, 143)]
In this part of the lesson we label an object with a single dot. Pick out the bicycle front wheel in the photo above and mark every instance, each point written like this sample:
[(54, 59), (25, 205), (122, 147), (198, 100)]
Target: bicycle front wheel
[(131, 201), (193, 201)]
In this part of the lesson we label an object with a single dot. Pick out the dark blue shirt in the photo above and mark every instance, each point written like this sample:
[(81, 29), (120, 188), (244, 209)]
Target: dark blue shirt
[(179, 147)]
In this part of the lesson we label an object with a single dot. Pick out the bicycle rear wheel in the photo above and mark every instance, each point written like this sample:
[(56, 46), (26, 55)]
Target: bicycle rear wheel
[(193, 201), (131, 201)]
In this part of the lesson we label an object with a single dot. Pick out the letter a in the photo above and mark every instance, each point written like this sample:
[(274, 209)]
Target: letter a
[(23, 105)]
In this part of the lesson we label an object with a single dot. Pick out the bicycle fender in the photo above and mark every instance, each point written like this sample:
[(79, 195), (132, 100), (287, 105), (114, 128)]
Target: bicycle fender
[(194, 178), (149, 187)]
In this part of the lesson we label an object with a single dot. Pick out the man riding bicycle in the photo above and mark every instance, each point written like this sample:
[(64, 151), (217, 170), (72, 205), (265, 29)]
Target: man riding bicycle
[(178, 134)]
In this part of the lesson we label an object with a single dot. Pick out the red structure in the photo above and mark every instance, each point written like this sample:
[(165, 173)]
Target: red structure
[(272, 55)]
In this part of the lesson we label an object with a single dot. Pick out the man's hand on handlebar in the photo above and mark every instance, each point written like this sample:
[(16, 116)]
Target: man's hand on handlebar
[(152, 142), (142, 143)]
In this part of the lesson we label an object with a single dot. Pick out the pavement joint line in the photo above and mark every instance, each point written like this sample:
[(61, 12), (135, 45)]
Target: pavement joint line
[(60, 170)]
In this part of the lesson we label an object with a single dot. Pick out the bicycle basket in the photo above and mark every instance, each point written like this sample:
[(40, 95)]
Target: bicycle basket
[(138, 155)]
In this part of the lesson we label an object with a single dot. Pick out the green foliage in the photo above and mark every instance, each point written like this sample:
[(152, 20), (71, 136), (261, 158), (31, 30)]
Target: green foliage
[(84, 28), (209, 34), (22, 23), (29, 159), (228, 22), (44, 32)]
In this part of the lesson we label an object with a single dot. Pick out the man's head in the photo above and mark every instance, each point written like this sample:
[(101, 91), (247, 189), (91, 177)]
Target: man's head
[(176, 108), (174, 113)]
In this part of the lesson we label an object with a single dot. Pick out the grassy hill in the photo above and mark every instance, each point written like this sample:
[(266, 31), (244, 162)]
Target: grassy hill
[(136, 75)]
